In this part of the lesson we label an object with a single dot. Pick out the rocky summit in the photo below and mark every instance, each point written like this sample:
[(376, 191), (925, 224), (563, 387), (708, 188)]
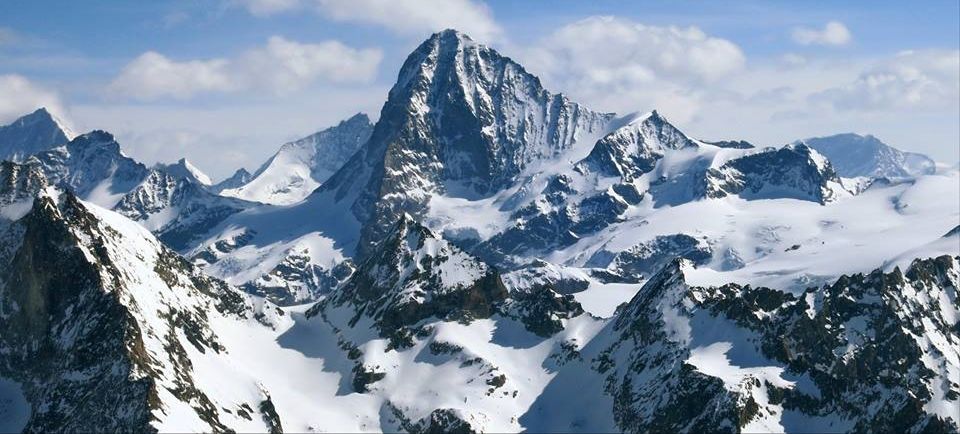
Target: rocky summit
[(487, 256)]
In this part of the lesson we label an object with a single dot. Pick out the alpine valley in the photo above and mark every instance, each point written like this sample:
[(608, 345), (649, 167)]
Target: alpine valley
[(487, 256)]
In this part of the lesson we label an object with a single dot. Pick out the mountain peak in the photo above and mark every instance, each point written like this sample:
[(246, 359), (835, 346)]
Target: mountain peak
[(238, 179), (360, 117), (300, 166), (634, 146), (241, 173), (184, 169), (448, 36), (45, 116), (855, 155), (461, 119), (95, 139), (32, 133)]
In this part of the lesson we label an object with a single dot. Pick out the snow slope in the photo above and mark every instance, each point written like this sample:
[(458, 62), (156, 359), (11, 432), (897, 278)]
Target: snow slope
[(299, 167)]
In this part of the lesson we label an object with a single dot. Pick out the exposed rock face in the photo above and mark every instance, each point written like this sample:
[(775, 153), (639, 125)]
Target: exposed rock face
[(186, 170), (104, 327), (301, 166), (57, 321), (853, 155), (94, 321), (297, 280), (19, 183), (92, 167), (461, 120), (633, 149), (177, 209), (866, 352), (794, 171), (415, 275), (36, 132), (643, 260)]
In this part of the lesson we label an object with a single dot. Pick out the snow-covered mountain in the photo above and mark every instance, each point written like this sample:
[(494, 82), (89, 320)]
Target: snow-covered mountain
[(105, 328), (461, 120), (238, 179), (176, 206), (301, 166), (30, 134), (414, 275), (854, 156), (736, 358), (186, 170), (493, 258), (93, 167), (560, 184), (175, 201)]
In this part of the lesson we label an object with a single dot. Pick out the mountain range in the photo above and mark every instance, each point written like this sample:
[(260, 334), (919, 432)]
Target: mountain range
[(487, 256)]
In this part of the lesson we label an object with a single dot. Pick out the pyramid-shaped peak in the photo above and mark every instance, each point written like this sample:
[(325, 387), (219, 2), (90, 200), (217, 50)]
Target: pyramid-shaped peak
[(183, 168), (446, 48), (42, 117), (41, 112), (30, 134), (357, 118), (451, 35)]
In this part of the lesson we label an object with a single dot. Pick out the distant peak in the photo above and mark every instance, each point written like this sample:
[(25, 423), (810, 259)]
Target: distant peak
[(98, 136), (361, 118), (638, 118), (45, 116), (195, 171), (40, 115), (451, 34), (184, 169)]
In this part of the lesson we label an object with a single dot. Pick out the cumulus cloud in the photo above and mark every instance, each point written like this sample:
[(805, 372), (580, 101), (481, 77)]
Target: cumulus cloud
[(281, 66), (833, 33), (18, 96), (412, 17), (617, 64), (153, 75), (910, 80)]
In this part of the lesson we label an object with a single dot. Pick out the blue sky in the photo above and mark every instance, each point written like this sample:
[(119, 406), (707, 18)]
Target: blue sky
[(225, 82)]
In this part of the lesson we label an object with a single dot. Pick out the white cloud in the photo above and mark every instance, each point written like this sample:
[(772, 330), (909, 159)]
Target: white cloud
[(417, 16), (286, 65), (617, 64), (705, 85), (282, 66), (833, 33), (223, 137), (409, 17), (910, 80), (262, 8), (153, 75), (18, 96)]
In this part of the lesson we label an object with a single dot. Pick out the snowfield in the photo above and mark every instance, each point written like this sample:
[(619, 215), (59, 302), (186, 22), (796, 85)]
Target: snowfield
[(487, 257)]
